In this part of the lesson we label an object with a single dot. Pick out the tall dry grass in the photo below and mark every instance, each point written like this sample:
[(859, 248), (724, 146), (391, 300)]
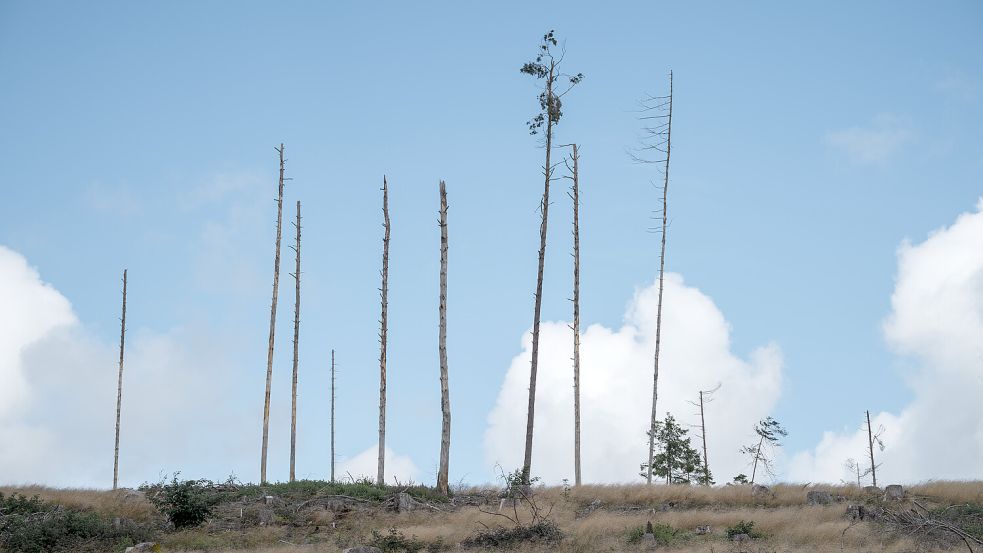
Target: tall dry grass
[(116, 503)]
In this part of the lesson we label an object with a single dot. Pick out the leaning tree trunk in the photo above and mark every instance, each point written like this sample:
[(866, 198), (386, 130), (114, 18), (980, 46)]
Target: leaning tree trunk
[(757, 455), (662, 266), (293, 390), (575, 195), (383, 330), (544, 209), (870, 443), (119, 384), (445, 398), (703, 432), (269, 354)]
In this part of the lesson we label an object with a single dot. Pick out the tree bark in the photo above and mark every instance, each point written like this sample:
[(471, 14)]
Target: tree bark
[(662, 266), (445, 399), (576, 316), (757, 455), (332, 415), (547, 171), (383, 331), (703, 431), (870, 444), (269, 355), (119, 384), (293, 390)]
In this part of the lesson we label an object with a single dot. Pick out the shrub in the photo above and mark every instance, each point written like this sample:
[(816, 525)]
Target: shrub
[(395, 542), (545, 531), (743, 527), (664, 534), (187, 503)]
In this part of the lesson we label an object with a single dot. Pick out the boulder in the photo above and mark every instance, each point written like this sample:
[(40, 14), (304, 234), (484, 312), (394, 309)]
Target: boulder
[(894, 492), (362, 549), (740, 538), (757, 490), (704, 530), (818, 497), (147, 546), (586, 511)]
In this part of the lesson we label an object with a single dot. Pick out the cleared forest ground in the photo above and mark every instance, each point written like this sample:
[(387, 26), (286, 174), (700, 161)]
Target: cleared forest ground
[(310, 516)]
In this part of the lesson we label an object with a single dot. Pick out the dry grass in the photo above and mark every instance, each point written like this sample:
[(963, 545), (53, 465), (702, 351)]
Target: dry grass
[(118, 503)]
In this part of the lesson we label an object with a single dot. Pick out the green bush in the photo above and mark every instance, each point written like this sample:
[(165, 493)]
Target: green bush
[(185, 503), (664, 534), (396, 542), (30, 525), (744, 527)]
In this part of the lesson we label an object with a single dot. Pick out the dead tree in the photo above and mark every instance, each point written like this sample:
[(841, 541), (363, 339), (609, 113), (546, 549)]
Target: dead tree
[(872, 439), (119, 384), (383, 331), (332, 414), (445, 398), (269, 355), (293, 389), (575, 196), (657, 109), (705, 397), (546, 67)]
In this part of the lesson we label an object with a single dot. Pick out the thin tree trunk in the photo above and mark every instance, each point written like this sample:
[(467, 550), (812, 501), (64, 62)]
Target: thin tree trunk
[(662, 266), (870, 444), (119, 384), (703, 430), (445, 398), (332, 415), (576, 317), (293, 390), (384, 294), (757, 455), (269, 355), (547, 171)]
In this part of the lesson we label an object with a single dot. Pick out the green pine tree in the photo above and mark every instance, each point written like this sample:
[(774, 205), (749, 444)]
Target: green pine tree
[(676, 461)]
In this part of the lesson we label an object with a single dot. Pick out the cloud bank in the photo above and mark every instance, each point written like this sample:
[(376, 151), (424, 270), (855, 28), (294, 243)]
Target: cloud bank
[(937, 319), (616, 395)]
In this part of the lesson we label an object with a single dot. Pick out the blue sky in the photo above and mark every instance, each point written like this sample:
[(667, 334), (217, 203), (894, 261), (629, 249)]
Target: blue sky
[(809, 142)]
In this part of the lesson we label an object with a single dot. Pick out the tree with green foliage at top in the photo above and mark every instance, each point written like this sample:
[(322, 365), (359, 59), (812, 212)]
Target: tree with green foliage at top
[(769, 433), (677, 460)]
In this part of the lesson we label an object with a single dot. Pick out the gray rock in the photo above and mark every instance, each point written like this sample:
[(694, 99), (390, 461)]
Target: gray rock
[(740, 538), (268, 499), (758, 490), (894, 492), (703, 530), (648, 538), (147, 546), (362, 549), (818, 497), (586, 511)]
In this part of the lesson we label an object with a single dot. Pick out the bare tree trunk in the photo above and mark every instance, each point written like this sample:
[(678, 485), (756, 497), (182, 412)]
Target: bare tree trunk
[(293, 390), (445, 398), (575, 196), (544, 209), (703, 431), (332, 415), (119, 384), (662, 266), (870, 443), (269, 355), (757, 455), (383, 323)]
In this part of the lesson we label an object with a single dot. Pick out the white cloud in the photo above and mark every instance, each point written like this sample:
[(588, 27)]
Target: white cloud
[(937, 317), (875, 143), (58, 398), (399, 468), (616, 397)]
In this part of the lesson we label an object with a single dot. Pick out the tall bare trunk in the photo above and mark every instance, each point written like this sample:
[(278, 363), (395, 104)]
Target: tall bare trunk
[(544, 210), (575, 195), (119, 384), (703, 431), (757, 456), (870, 444), (293, 389), (445, 397), (383, 331), (269, 355), (332, 415), (662, 266)]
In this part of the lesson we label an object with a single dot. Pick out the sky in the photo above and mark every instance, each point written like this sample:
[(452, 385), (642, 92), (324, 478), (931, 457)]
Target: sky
[(825, 248)]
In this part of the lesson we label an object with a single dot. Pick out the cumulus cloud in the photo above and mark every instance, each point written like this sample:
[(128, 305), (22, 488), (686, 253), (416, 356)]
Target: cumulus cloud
[(616, 396), (936, 318), (875, 143), (399, 468), (58, 398)]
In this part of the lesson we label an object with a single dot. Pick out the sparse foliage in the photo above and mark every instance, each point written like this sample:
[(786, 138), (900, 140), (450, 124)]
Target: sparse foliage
[(769, 432)]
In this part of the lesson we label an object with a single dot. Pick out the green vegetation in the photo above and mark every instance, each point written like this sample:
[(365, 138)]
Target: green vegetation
[(664, 534), (744, 527)]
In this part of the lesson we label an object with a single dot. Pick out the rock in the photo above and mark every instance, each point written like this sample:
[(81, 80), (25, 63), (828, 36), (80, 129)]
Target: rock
[(144, 547), (818, 497), (128, 496), (740, 538), (758, 490), (703, 530), (894, 492), (362, 549), (586, 511), (648, 538), (268, 499)]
